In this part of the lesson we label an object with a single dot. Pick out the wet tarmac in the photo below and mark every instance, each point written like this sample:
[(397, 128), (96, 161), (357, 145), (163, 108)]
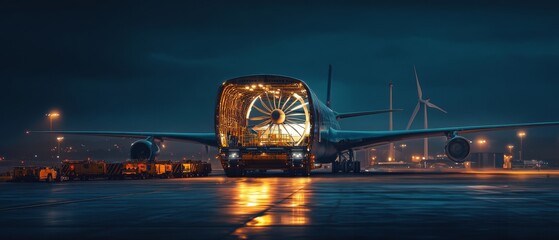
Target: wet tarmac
[(418, 206)]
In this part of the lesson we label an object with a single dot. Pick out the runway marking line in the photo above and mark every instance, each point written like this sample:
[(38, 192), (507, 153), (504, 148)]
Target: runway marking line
[(71, 201)]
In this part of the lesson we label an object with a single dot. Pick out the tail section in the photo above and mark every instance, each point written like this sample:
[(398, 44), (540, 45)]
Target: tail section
[(352, 114)]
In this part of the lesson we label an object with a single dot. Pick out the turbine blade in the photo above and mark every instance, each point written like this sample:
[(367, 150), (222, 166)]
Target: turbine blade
[(269, 102), (268, 128), (262, 111), (271, 131), (294, 129), (419, 92), (262, 124), (264, 105), (290, 105), (274, 126), (285, 103), (413, 115), (295, 108), (287, 132), (295, 114), (259, 118), (296, 119), (431, 105)]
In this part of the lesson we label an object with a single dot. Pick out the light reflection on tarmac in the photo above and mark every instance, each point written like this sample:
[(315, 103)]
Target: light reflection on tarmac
[(473, 205)]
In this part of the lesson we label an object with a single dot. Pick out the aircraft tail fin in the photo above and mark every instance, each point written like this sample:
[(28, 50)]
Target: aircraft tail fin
[(358, 114)]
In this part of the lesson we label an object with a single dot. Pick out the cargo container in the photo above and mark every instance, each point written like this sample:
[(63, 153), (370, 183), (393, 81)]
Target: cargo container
[(92, 169), (83, 169), (114, 171), (160, 169), (191, 169), (144, 169), (134, 169), (34, 174)]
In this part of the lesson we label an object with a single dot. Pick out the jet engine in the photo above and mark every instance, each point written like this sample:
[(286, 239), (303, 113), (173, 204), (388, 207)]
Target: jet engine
[(457, 149), (143, 150)]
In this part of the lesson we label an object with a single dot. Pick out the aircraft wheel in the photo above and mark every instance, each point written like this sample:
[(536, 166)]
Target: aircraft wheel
[(307, 171), (356, 167), (345, 166), (233, 172)]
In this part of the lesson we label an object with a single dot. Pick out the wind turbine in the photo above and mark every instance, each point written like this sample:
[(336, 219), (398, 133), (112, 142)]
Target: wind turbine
[(426, 103)]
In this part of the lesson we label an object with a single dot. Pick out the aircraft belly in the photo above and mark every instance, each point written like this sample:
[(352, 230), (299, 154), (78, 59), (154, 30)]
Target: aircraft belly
[(324, 152)]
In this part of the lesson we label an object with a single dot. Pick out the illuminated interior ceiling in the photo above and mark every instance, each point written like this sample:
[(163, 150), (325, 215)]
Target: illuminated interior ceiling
[(254, 113)]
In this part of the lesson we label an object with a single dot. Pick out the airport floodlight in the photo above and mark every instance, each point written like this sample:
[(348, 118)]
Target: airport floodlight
[(59, 140), (51, 116), (510, 147), (521, 135)]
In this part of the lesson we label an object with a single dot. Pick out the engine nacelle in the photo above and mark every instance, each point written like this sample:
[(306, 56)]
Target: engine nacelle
[(143, 150), (457, 149)]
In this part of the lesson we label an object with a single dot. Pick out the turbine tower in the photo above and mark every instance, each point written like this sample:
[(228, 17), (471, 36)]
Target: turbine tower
[(390, 125), (426, 103)]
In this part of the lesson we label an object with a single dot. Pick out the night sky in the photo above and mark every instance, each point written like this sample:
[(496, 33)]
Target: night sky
[(153, 66)]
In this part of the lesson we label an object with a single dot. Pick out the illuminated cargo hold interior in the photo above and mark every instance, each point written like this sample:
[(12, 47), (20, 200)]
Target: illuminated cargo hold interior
[(264, 111)]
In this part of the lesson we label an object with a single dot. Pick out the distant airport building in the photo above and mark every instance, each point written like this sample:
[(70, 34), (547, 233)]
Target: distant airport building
[(399, 165), (531, 164), (439, 163), (487, 160)]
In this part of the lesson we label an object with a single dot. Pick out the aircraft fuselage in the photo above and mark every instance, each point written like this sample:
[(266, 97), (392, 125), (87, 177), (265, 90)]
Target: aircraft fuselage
[(266, 120)]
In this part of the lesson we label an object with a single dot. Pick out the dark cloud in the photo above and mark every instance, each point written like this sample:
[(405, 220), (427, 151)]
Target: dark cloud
[(132, 65)]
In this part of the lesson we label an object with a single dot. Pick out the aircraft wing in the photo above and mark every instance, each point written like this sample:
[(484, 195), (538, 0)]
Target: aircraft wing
[(356, 139), (203, 138)]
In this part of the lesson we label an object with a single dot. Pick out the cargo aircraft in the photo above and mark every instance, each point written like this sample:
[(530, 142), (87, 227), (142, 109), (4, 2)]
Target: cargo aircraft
[(267, 122)]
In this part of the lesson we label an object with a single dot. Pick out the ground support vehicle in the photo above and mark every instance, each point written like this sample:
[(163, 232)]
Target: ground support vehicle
[(191, 169), (34, 174), (83, 169)]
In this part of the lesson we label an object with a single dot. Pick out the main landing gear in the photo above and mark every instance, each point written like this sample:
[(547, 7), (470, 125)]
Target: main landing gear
[(235, 172), (346, 163), (302, 168)]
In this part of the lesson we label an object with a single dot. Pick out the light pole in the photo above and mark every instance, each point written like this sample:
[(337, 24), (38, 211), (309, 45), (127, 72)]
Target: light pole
[(481, 143), (51, 116), (59, 140), (510, 147), (372, 156), (402, 147), (521, 135), (391, 156)]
